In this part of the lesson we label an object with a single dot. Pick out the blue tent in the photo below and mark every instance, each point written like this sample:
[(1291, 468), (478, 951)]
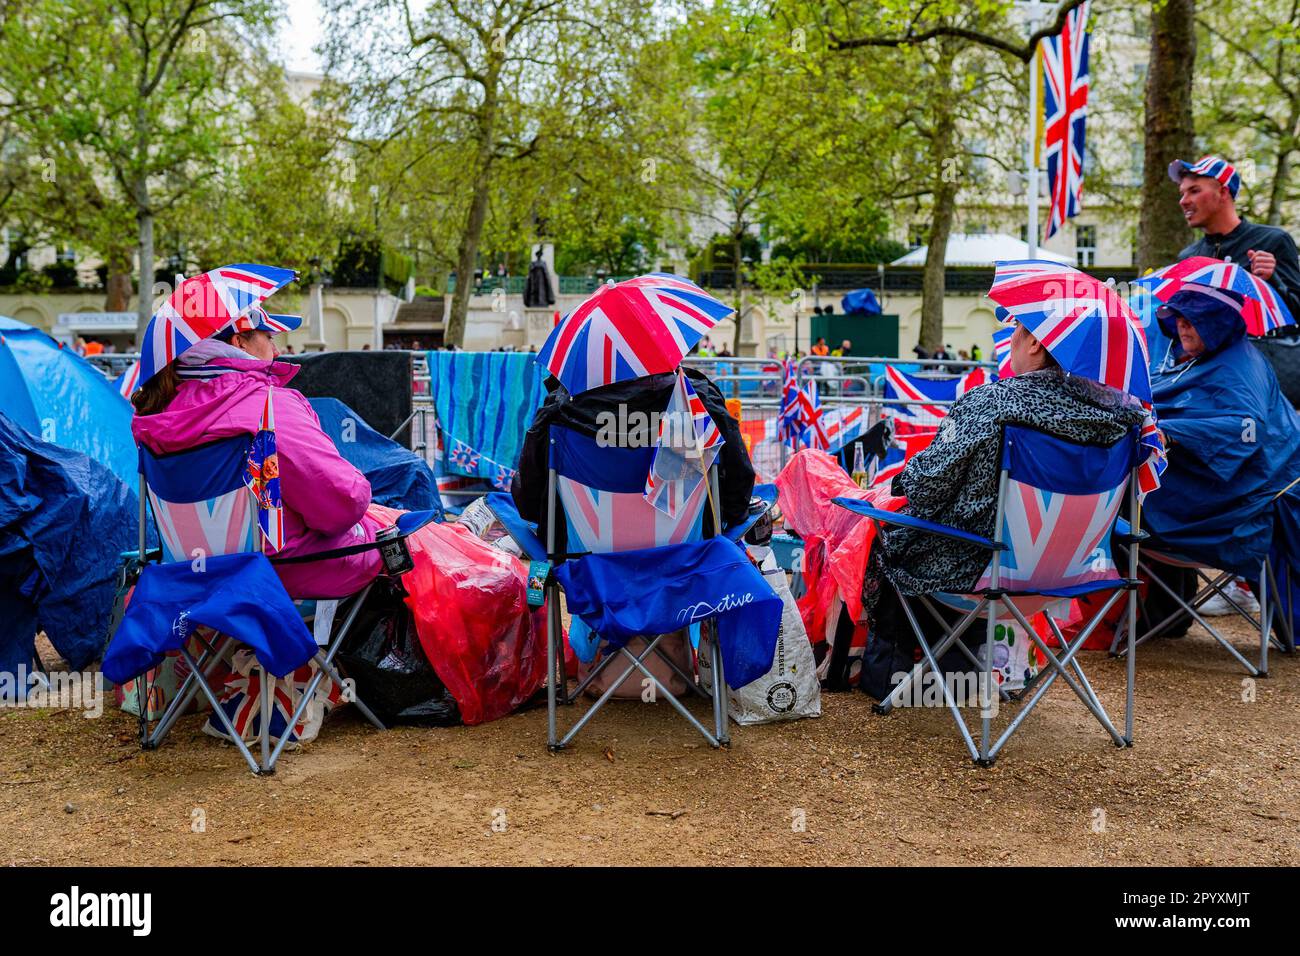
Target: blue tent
[(56, 394), (398, 477), (64, 521)]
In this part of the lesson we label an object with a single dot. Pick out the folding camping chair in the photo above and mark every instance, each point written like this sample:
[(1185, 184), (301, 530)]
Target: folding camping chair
[(202, 508), (1273, 620), (598, 493), (1058, 503)]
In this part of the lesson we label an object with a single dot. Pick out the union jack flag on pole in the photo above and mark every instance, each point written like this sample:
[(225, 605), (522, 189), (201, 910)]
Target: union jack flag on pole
[(688, 443), (1065, 105)]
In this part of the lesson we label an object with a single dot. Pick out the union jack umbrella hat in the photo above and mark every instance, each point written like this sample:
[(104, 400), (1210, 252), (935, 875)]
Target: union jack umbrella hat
[(1264, 309), (258, 319), (642, 326), (203, 305), (1083, 322), (1214, 167)]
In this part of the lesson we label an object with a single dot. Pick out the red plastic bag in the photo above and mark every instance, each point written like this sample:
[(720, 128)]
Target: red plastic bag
[(471, 613), (836, 541)]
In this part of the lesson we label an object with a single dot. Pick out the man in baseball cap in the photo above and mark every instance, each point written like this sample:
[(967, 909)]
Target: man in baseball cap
[(1208, 196)]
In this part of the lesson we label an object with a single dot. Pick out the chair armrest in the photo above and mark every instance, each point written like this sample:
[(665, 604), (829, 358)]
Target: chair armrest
[(412, 521), (524, 532), (919, 524), (1124, 532)]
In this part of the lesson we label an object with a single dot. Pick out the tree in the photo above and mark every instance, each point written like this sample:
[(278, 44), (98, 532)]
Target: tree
[(954, 58), (1247, 95), (497, 80), (132, 98), (1162, 231)]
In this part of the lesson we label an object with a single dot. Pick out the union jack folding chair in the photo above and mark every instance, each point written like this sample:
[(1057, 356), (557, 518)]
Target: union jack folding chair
[(201, 507), (1273, 621), (598, 492), (1058, 505)]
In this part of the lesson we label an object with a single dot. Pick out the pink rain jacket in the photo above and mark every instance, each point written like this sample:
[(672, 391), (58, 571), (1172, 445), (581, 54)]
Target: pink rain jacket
[(325, 498)]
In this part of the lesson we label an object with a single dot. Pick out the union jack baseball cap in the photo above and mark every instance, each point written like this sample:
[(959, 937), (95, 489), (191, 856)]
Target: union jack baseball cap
[(1215, 167), (257, 318)]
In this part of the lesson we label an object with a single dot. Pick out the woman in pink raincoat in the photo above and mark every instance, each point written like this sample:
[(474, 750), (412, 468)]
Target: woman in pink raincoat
[(217, 389)]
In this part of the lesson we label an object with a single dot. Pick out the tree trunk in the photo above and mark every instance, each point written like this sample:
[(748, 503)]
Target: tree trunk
[(943, 202), (736, 280), (1170, 132), (144, 305), (1281, 176), (467, 251), (117, 284)]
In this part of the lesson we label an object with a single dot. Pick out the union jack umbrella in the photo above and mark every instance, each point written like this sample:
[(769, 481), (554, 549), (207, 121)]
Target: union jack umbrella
[(262, 476), (1065, 106), (1083, 322), (129, 380), (1090, 331), (1264, 309), (1002, 349), (643, 326), (203, 305)]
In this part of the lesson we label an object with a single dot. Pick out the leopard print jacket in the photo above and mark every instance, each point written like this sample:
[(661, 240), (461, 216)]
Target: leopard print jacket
[(955, 480)]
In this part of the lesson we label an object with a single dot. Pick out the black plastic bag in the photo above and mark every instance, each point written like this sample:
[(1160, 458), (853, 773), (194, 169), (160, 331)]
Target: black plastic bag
[(393, 677)]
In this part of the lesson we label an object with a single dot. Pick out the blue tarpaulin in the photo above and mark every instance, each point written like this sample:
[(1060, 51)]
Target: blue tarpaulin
[(860, 302), (60, 397), (1235, 450), (64, 520), (398, 477)]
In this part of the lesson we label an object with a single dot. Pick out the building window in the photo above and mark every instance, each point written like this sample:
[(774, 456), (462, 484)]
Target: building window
[(1085, 246), (67, 254), (917, 235), (1024, 232)]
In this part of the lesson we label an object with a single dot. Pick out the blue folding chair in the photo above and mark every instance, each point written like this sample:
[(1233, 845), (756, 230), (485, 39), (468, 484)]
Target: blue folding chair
[(1273, 621), (1058, 504), (598, 493), (202, 509)]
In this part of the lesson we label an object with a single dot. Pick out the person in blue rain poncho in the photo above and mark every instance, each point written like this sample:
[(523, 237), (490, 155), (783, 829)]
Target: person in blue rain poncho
[(1227, 497)]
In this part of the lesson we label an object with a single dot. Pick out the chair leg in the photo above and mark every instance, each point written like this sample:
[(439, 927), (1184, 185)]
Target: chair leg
[(719, 688), (325, 666), (985, 759), (1265, 618), (267, 691), (1130, 666), (552, 636), (221, 716)]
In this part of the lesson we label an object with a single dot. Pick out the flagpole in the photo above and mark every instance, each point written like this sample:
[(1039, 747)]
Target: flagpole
[(1031, 162)]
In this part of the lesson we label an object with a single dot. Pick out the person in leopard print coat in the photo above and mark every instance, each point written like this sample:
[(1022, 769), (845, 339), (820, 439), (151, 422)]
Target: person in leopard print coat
[(954, 481)]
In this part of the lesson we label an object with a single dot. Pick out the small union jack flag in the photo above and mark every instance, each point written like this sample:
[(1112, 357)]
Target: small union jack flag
[(503, 477), (688, 442), (791, 419), (811, 412), (464, 458), (262, 477), (1065, 106)]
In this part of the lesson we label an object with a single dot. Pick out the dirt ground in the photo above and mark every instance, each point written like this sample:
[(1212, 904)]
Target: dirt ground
[(1212, 779)]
